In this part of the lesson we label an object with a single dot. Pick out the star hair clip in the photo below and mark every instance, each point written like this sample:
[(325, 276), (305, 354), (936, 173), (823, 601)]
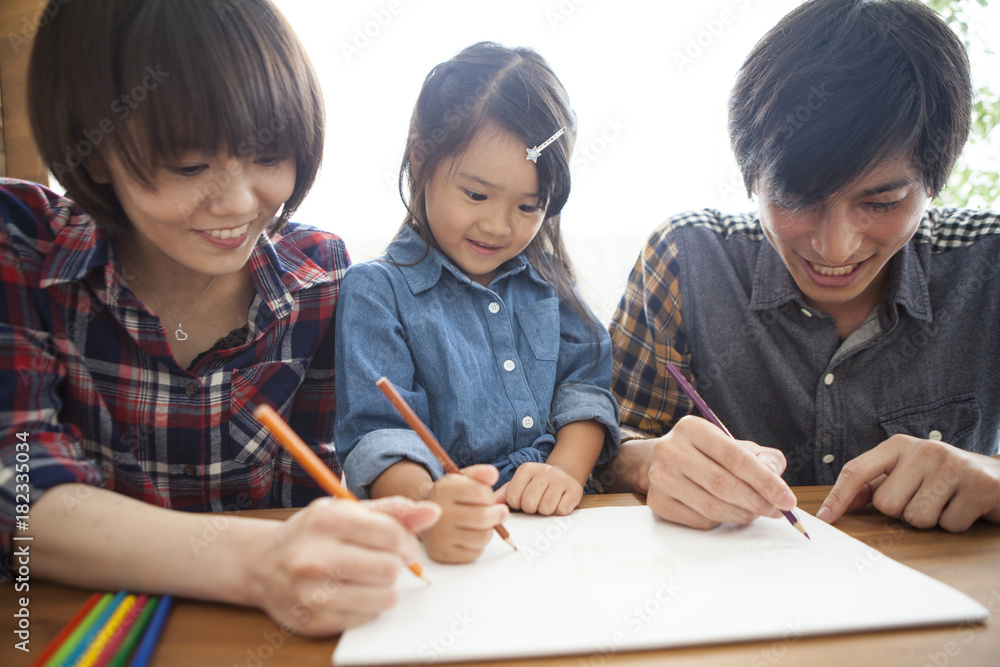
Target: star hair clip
[(536, 152)]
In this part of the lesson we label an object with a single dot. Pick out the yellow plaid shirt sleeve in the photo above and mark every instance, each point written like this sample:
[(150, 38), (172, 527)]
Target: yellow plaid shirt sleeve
[(646, 333)]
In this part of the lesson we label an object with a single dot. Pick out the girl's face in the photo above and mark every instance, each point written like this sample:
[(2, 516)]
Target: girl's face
[(482, 205), (204, 214)]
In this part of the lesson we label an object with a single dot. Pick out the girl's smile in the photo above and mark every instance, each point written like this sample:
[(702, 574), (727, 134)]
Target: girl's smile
[(484, 249)]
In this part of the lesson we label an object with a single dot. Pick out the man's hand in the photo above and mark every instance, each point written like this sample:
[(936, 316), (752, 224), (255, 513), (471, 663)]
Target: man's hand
[(700, 477), (923, 482)]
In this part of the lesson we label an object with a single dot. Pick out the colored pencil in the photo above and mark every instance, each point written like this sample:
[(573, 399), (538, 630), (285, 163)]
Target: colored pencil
[(308, 459), (121, 631), (69, 647), (702, 406), (124, 651), (67, 630), (80, 631), (103, 636), (144, 653), (89, 630), (428, 438)]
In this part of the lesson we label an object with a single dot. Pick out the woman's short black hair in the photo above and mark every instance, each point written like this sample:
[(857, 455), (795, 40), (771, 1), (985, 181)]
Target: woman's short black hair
[(837, 86), (153, 79)]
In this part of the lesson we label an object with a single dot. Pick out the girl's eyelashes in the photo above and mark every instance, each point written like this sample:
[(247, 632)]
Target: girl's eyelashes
[(479, 196)]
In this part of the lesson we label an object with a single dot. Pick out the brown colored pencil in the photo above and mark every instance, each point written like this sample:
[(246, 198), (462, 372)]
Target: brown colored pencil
[(288, 439), (432, 443)]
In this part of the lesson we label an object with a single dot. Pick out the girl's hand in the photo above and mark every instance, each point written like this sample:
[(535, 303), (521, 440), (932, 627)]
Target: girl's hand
[(540, 488), (335, 563), (468, 516)]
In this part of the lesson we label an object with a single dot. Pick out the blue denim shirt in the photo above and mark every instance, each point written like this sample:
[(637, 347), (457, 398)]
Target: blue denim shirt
[(711, 294), (493, 371)]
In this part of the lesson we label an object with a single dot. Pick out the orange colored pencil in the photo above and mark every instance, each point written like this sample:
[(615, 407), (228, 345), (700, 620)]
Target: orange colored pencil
[(432, 443), (67, 629), (288, 439)]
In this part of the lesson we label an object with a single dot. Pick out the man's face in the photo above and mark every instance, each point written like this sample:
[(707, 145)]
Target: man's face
[(838, 250)]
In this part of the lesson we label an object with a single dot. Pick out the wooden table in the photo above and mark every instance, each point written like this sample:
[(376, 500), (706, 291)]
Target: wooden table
[(199, 633)]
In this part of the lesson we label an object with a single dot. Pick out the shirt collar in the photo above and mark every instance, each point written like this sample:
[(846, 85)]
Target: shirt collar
[(424, 265), (908, 283), (774, 286), (78, 247), (281, 269)]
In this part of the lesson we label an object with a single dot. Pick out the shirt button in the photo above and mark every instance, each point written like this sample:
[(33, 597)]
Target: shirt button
[(527, 422), (828, 458), (191, 390), (190, 470), (934, 435), (828, 380), (508, 365), (494, 307), (805, 311)]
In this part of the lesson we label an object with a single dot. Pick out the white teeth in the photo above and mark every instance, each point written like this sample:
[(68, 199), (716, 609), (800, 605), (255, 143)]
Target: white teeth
[(833, 271), (228, 233)]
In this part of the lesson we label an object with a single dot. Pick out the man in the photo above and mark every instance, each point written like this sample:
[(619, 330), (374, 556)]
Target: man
[(847, 332)]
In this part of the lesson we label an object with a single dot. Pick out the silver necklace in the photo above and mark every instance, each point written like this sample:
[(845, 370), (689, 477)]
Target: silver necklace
[(180, 334)]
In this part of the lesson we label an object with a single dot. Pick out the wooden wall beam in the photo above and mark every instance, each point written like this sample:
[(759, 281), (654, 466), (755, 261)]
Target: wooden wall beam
[(19, 20)]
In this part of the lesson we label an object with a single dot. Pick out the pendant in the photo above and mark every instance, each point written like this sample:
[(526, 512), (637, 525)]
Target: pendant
[(179, 334)]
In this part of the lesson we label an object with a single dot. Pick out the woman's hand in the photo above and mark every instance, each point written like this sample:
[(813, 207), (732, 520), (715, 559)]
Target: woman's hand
[(335, 563)]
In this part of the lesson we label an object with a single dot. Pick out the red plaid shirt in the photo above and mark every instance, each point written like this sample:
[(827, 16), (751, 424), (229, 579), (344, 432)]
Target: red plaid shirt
[(88, 381)]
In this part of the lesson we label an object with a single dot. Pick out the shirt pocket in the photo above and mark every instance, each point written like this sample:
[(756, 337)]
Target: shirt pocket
[(273, 383), (540, 324), (950, 420)]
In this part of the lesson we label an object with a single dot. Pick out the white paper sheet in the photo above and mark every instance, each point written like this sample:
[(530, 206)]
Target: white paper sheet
[(612, 579)]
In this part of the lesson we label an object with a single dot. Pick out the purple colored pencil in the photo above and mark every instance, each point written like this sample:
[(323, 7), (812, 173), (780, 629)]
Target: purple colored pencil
[(706, 411)]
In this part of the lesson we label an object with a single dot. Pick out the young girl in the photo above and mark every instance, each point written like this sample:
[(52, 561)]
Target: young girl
[(146, 314), (473, 315)]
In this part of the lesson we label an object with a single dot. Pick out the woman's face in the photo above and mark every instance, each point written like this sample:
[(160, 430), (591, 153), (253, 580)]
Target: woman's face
[(204, 214)]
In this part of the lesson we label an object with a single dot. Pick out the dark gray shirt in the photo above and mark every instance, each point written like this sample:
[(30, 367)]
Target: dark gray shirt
[(774, 370)]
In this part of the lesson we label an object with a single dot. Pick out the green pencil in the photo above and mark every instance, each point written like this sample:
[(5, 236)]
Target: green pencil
[(81, 631), (135, 634)]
